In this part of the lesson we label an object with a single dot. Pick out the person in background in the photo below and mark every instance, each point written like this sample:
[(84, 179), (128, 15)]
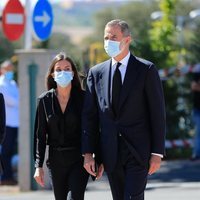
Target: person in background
[(195, 87), (2, 127), (58, 124), (124, 114), (10, 91)]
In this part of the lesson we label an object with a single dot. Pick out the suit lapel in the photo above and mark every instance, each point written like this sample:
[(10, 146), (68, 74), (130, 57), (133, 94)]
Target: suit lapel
[(105, 81), (105, 84), (130, 78)]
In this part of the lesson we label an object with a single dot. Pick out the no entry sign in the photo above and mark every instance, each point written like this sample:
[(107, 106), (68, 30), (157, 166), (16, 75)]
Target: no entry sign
[(13, 20)]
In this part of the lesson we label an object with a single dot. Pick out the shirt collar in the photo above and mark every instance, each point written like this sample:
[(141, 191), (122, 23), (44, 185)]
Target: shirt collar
[(124, 61)]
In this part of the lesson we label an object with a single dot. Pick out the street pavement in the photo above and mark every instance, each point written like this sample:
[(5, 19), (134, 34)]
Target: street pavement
[(176, 180)]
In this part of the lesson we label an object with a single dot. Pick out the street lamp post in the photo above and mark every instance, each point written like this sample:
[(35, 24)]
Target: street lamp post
[(28, 27)]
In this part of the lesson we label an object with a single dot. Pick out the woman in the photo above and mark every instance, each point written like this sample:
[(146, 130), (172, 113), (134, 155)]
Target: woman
[(58, 124), (2, 126)]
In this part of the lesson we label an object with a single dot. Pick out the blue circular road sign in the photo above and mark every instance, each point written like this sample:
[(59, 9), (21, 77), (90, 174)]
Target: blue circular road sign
[(42, 20)]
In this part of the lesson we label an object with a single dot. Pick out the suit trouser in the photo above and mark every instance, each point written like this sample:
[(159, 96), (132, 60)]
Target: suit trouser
[(129, 178), (69, 181)]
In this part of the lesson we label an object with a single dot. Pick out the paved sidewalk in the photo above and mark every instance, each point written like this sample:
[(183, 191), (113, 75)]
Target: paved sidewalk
[(176, 180)]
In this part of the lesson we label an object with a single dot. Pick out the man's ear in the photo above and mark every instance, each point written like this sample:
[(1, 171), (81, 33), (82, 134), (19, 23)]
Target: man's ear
[(129, 39)]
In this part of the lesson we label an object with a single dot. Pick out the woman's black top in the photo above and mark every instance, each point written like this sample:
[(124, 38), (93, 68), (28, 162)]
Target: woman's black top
[(61, 131)]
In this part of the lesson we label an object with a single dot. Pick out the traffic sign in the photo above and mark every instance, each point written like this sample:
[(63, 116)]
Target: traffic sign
[(13, 20), (42, 20)]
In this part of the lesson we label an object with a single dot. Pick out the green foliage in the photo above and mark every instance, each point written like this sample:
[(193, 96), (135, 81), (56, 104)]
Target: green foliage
[(162, 34), (195, 45), (139, 25), (178, 106), (178, 153), (6, 48)]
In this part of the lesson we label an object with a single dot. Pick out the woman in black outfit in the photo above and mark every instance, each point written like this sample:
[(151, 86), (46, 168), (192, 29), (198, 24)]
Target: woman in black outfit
[(58, 124)]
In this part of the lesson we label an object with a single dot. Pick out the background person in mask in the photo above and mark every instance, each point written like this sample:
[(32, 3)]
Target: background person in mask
[(9, 89), (124, 101), (58, 124)]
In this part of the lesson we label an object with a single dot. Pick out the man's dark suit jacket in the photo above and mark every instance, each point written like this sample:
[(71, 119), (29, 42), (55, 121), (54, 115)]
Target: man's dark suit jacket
[(2, 125), (140, 118)]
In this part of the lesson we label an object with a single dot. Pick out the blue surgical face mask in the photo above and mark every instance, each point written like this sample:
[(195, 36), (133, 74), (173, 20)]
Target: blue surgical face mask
[(9, 75), (63, 78), (112, 48)]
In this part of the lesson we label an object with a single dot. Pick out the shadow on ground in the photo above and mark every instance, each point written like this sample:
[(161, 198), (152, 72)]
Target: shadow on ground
[(177, 171)]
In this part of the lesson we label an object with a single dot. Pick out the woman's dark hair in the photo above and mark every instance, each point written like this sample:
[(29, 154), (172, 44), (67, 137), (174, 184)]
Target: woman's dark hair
[(50, 83)]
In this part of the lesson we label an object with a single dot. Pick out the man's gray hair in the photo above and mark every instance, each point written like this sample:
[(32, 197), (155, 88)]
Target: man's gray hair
[(6, 63), (122, 24)]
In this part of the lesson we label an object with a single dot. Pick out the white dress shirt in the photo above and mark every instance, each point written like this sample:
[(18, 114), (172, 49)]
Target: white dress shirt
[(122, 69), (10, 92)]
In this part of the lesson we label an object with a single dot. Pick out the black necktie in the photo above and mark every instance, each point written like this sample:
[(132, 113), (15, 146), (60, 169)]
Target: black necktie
[(116, 88)]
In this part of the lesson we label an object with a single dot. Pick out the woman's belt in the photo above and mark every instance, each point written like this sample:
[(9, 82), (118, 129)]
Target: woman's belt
[(63, 148)]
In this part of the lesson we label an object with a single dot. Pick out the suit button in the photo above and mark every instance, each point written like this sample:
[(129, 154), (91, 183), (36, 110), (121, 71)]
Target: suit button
[(120, 134)]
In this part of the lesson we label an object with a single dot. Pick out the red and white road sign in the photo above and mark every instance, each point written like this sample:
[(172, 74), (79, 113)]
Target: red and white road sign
[(13, 20)]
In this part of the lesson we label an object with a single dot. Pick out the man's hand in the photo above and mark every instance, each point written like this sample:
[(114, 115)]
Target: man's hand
[(39, 176), (100, 171), (89, 164), (154, 163)]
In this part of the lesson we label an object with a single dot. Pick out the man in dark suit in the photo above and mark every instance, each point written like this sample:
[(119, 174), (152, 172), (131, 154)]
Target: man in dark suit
[(2, 126), (124, 114)]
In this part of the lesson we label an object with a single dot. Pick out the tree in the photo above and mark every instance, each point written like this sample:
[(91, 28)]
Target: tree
[(167, 51), (6, 48), (195, 45), (162, 34), (139, 25)]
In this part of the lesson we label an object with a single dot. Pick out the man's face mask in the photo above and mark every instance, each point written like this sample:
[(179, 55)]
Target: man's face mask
[(112, 48)]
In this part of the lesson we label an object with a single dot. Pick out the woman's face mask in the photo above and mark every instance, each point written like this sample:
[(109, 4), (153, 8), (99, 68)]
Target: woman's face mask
[(63, 78)]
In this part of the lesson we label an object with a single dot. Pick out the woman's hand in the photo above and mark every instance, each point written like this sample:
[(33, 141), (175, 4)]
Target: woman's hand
[(39, 176)]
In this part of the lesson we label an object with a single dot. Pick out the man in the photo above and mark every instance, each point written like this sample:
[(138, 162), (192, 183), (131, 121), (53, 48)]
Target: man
[(9, 89), (124, 102), (2, 126), (195, 87)]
